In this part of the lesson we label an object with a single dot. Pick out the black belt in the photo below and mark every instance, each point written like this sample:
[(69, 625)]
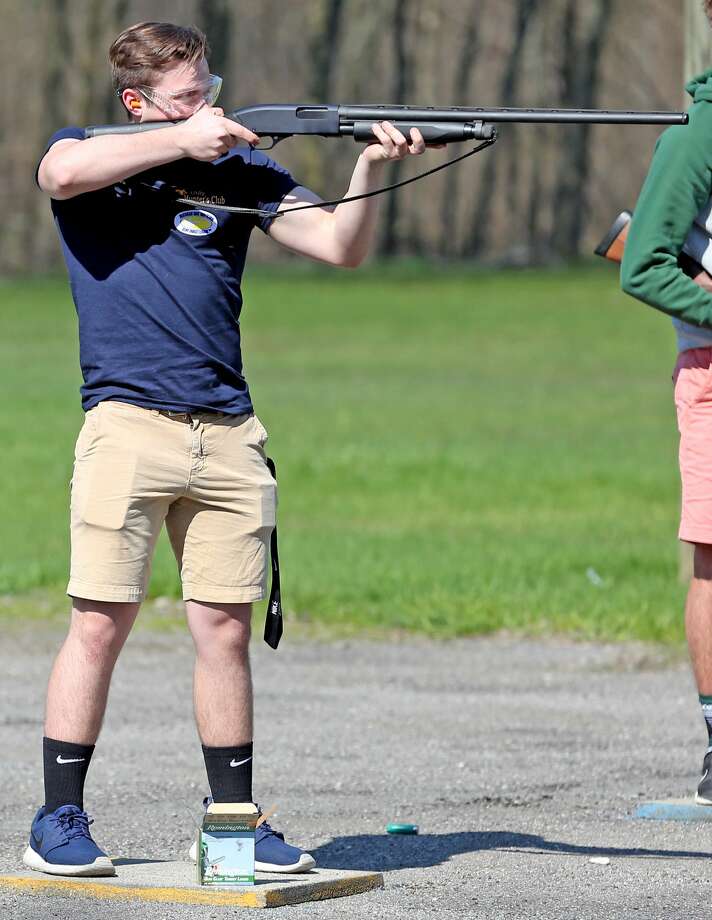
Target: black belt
[(187, 417)]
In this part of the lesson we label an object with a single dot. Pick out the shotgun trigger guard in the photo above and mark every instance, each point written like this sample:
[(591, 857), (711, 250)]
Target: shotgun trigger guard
[(274, 138)]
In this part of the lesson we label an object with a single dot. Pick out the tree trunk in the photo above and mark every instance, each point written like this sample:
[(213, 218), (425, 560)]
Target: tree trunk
[(90, 87), (460, 96), (324, 45), (698, 40), (580, 74), (59, 50), (402, 81), (215, 18), (325, 51), (477, 240), (118, 18)]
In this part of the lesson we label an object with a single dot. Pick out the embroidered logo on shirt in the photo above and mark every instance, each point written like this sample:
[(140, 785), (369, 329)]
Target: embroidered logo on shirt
[(199, 195), (195, 223)]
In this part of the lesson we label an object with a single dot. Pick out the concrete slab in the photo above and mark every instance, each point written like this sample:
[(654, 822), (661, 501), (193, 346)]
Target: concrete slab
[(174, 882), (674, 810)]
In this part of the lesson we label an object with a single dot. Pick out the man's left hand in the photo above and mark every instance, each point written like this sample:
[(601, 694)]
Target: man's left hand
[(392, 145)]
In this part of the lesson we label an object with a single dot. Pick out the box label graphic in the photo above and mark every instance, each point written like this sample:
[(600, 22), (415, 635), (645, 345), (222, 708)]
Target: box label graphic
[(226, 845)]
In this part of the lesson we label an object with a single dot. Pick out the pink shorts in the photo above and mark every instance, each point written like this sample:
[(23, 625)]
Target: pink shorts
[(693, 400)]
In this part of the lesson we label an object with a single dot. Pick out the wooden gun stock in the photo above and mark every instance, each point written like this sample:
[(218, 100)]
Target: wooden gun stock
[(613, 244)]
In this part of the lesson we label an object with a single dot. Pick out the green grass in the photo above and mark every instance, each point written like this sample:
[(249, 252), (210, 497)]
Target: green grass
[(458, 452)]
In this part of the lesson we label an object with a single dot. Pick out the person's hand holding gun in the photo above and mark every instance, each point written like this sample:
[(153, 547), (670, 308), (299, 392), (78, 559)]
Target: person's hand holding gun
[(697, 273)]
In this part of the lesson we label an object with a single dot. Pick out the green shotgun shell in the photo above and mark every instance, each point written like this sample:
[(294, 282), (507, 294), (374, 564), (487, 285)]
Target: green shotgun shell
[(401, 828)]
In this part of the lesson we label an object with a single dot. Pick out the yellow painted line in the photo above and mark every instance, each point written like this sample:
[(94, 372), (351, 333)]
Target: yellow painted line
[(261, 896), (114, 892)]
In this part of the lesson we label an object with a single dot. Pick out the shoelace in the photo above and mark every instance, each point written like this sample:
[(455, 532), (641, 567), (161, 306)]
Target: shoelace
[(269, 831), (74, 824)]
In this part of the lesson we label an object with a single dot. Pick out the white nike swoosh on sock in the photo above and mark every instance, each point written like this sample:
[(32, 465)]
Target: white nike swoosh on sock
[(70, 760), (239, 762)]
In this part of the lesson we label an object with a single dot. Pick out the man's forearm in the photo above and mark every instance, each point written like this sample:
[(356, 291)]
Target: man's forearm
[(101, 161), (355, 221)]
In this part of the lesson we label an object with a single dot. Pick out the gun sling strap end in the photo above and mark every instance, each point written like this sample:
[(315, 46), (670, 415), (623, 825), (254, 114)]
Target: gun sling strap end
[(274, 620)]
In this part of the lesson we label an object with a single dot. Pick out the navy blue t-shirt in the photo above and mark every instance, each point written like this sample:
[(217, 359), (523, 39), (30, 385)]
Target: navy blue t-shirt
[(156, 283)]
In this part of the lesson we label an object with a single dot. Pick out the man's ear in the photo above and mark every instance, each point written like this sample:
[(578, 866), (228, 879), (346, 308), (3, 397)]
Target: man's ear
[(133, 102)]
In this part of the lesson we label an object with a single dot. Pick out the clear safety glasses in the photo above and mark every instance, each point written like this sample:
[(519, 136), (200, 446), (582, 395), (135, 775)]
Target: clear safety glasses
[(185, 101)]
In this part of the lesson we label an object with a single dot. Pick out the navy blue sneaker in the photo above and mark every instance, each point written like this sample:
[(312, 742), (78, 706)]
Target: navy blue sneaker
[(704, 789), (60, 843), (272, 854)]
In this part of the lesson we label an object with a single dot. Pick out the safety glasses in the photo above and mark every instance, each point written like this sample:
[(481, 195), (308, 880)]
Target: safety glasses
[(184, 101)]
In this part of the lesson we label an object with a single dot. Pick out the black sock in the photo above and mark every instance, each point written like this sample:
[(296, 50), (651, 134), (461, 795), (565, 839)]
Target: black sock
[(65, 769), (229, 772), (706, 703)]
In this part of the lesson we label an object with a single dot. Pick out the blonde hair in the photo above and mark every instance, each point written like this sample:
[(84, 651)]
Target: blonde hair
[(149, 47)]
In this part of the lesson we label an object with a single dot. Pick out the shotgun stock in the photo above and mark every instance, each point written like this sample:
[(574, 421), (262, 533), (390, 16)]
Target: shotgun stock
[(613, 243)]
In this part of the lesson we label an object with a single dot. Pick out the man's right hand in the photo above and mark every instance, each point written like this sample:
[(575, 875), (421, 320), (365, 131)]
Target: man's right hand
[(703, 280), (207, 134)]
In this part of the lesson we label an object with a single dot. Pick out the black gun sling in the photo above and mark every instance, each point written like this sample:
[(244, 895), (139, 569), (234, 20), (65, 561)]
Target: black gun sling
[(274, 625)]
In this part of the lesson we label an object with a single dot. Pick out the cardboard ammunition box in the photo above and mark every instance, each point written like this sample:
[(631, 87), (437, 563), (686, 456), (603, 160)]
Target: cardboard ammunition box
[(226, 844)]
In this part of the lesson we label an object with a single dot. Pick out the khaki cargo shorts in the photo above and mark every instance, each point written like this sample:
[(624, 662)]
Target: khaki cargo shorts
[(205, 475)]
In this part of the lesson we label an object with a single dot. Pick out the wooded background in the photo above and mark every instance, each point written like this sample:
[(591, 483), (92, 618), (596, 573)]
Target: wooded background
[(541, 195)]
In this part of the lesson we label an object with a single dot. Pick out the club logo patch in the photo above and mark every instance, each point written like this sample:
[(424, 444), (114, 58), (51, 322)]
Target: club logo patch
[(195, 223)]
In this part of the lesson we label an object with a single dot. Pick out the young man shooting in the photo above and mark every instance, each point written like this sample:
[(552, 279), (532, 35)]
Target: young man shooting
[(170, 435), (677, 194)]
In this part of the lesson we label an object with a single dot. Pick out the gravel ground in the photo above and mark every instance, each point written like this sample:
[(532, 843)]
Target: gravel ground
[(520, 760)]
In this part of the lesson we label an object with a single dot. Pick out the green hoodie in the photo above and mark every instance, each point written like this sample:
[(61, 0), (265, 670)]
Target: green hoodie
[(677, 187)]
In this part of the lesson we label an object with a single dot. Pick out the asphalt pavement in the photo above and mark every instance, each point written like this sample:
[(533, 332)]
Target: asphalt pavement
[(520, 760)]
